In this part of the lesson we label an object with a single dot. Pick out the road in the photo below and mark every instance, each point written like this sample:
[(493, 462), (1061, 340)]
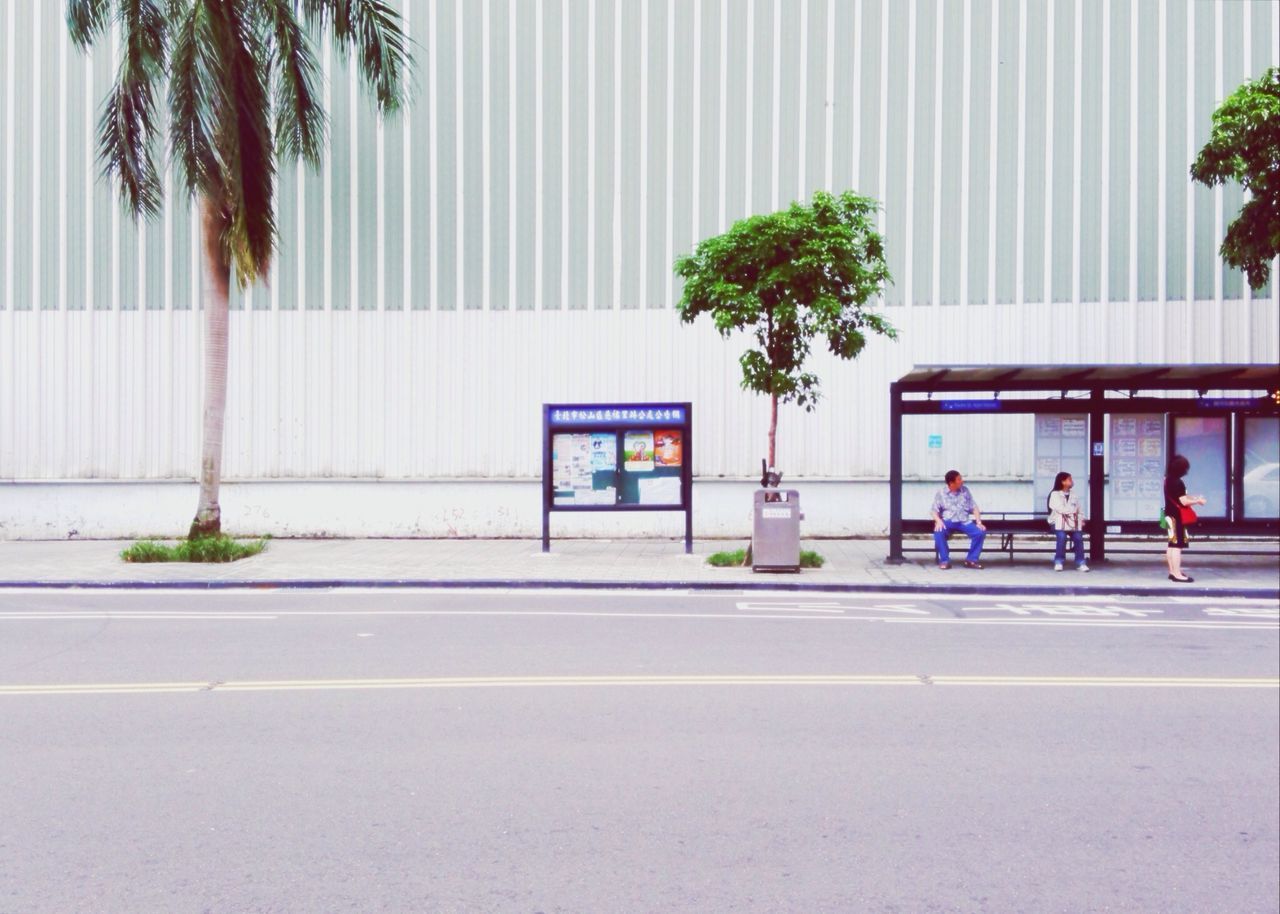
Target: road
[(535, 751)]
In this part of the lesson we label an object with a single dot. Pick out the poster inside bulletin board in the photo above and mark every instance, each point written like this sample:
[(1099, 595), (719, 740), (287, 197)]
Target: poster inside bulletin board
[(1062, 445), (1136, 466), (652, 464), (584, 468)]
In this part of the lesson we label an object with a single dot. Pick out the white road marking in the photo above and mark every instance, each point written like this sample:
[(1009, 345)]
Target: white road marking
[(285, 591), (1066, 609), (801, 606), (793, 607), (84, 615), (525, 682), (1093, 620), (1243, 612)]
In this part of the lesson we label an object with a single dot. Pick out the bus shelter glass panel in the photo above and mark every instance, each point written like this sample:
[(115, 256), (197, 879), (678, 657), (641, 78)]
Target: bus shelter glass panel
[(1262, 466), (1062, 446), (1203, 440), (1135, 445)]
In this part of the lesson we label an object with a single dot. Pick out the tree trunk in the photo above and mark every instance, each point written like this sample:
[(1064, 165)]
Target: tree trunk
[(217, 283), (773, 431)]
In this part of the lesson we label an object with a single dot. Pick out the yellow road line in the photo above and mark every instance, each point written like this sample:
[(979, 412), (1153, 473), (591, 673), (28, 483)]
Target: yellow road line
[(462, 682)]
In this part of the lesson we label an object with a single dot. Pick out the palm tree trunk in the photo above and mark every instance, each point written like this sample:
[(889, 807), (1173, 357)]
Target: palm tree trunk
[(217, 282)]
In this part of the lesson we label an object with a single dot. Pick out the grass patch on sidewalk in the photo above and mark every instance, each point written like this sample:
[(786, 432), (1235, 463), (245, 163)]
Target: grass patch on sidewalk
[(735, 558), (220, 548), (727, 559)]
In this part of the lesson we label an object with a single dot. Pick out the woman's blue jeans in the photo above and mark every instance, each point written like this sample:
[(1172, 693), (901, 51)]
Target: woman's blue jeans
[(1077, 540)]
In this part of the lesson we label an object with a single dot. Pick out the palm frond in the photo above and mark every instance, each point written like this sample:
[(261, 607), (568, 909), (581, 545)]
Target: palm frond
[(86, 20), (383, 50), (245, 143), (127, 129), (300, 118), (195, 99), (372, 29)]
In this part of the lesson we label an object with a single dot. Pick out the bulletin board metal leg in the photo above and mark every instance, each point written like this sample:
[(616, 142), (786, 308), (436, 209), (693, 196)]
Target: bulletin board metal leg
[(688, 532)]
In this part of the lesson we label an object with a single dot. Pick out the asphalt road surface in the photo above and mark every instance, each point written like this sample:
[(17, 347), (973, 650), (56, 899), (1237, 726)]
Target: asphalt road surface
[(539, 751)]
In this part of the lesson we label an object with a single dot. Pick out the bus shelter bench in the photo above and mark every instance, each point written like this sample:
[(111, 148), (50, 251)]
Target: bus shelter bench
[(1006, 524)]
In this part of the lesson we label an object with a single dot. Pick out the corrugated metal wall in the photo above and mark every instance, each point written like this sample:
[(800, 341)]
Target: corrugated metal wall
[(559, 154)]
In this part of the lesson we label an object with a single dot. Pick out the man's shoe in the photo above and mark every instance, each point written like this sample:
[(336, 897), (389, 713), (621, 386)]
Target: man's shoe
[(1057, 566), (968, 564), (1082, 567), (944, 565)]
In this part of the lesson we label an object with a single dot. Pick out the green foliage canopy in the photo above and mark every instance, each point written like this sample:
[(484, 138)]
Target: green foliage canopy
[(789, 278), (1245, 146)]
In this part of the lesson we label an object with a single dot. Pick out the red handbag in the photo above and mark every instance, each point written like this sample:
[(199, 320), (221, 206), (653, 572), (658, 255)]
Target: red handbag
[(1188, 514)]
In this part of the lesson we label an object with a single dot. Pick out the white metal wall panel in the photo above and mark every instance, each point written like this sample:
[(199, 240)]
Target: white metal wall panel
[(556, 157), (457, 393)]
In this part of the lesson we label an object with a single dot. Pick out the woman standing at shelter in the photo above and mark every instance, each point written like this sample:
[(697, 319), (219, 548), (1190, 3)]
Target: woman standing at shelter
[(1175, 499)]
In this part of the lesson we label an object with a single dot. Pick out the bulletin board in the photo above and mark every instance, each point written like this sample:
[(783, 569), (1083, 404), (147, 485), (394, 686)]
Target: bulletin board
[(617, 457)]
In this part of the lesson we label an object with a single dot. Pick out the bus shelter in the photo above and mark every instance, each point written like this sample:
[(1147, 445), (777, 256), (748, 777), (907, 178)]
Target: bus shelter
[(1119, 424)]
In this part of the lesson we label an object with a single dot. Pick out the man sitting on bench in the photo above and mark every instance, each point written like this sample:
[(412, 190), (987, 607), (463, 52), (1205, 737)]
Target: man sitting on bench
[(951, 509)]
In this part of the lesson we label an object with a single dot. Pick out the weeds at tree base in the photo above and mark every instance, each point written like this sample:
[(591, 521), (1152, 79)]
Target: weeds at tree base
[(735, 558), (220, 548)]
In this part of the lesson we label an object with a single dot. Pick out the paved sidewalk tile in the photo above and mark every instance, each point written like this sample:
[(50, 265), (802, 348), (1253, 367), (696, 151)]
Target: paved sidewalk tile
[(850, 563)]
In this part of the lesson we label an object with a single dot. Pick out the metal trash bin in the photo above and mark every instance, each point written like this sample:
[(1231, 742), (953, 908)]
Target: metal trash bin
[(775, 532)]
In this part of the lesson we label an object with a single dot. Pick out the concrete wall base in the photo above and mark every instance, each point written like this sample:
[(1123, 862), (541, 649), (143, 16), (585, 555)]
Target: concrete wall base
[(443, 508)]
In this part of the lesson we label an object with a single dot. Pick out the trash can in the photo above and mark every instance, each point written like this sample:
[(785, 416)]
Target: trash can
[(775, 532)]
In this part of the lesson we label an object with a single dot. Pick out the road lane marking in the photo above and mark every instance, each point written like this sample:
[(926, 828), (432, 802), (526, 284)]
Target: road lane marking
[(285, 592), (540, 682), (799, 607), (829, 607), (1242, 612), (1091, 620), (83, 616)]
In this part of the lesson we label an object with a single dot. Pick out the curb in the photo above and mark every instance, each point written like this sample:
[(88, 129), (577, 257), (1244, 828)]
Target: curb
[(995, 590)]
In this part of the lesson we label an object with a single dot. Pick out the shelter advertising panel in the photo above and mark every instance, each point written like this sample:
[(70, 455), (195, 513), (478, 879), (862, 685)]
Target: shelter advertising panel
[(1261, 478), (1206, 442), (1136, 471), (1062, 445)]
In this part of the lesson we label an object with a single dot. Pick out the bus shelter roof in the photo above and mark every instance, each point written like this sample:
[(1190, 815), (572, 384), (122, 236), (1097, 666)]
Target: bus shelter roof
[(933, 378)]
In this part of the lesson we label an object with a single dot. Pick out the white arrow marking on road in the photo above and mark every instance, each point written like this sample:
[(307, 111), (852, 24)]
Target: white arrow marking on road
[(1065, 609)]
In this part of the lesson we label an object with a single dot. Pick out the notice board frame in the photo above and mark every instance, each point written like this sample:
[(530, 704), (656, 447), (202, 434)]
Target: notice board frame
[(617, 418)]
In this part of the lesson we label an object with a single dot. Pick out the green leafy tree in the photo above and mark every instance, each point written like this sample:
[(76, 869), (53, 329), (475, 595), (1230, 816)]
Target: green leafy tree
[(1244, 146), (788, 279), (243, 98)]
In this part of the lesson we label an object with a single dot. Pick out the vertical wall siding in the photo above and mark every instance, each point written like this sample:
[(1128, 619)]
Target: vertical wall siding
[(508, 239)]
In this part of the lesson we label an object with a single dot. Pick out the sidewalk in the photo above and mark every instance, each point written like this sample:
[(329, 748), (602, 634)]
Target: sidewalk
[(852, 565)]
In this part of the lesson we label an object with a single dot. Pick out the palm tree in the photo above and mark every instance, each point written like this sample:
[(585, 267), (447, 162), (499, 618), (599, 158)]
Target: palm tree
[(242, 96)]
